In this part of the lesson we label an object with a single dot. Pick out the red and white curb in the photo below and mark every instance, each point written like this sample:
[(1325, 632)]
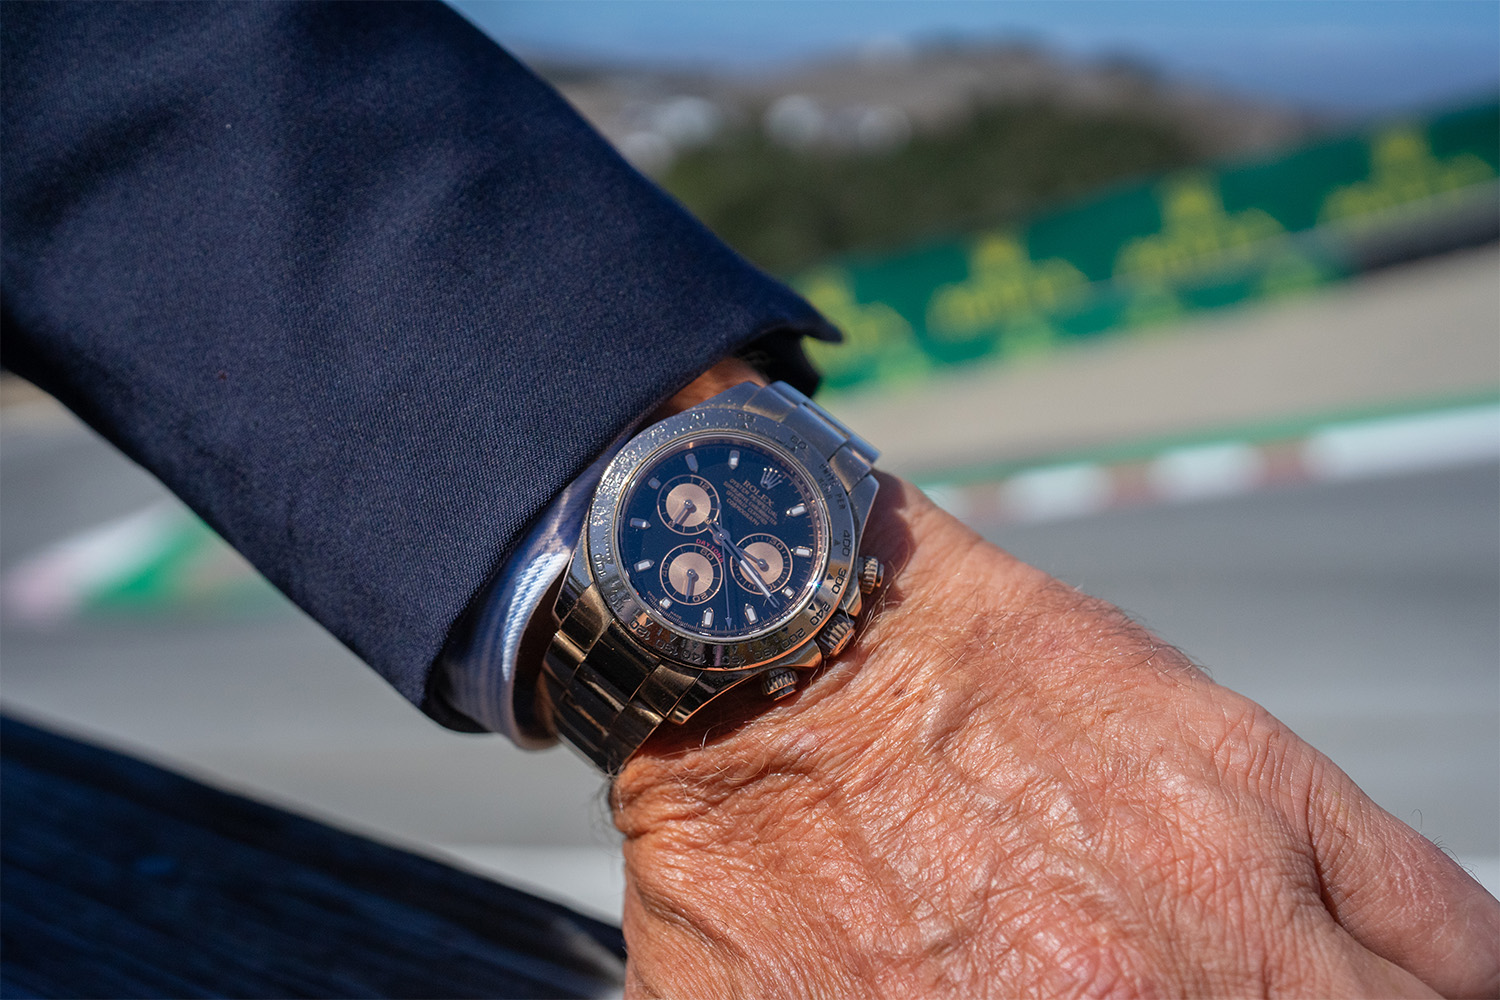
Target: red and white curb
[(54, 584), (185, 563), (1333, 452)]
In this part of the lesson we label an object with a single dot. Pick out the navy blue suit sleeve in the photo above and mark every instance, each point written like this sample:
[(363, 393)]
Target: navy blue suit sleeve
[(351, 281)]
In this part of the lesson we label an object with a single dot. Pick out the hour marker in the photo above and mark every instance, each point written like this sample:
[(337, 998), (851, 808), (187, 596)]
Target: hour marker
[(749, 614), (692, 462), (797, 511), (665, 603), (643, 565), (654, 483), (789, 592), (708, 618), (802, 551), (734, 459), (639, 522)]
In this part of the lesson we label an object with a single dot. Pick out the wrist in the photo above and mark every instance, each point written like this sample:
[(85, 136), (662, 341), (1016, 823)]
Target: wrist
[(726, 374)]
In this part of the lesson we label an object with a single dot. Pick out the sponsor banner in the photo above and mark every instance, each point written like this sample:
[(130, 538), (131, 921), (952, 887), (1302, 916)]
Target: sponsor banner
[(1144, 255)]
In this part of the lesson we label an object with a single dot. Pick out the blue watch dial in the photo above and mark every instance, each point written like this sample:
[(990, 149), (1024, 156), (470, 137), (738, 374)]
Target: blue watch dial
[(722, 538)]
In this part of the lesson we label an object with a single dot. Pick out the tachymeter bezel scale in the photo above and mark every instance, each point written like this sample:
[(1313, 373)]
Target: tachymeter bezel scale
[(831, 580)]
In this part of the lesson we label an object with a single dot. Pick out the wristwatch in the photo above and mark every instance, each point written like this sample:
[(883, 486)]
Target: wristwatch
[(722, 545)]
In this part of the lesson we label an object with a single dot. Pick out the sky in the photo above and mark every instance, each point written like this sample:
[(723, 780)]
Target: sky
[(1351, 56)]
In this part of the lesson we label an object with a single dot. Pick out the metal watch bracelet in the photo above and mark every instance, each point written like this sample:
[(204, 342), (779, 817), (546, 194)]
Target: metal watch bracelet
[(606, 694)]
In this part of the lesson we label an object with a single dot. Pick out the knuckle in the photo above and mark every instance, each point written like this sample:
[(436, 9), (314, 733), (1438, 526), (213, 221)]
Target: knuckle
[(1249, 746)]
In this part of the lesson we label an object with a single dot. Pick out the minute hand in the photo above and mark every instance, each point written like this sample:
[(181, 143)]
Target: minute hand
[(746, 563)]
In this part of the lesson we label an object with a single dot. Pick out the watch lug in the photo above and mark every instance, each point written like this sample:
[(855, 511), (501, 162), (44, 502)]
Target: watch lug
[(862, 501), (853, 601), (575, 581), (734, 396), (708, 687), (805, 657)]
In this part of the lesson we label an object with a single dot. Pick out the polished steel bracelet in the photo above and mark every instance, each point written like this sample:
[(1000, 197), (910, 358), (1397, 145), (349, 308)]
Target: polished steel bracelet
[(606, 694)]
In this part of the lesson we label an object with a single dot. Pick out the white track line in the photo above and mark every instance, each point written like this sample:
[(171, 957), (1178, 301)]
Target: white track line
[(57, 582), (1398, 445)]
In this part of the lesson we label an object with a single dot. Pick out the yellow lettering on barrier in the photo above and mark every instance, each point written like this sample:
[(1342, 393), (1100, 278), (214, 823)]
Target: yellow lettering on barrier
[(1290, 273), (1151, 306), (1403, 171), (873, 331), (1005, 287), (1197, 235)]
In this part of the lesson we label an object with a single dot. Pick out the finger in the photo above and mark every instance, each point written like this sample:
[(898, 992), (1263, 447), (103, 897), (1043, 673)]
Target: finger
[(1373, 976), (1399, 896), (1312, 955)]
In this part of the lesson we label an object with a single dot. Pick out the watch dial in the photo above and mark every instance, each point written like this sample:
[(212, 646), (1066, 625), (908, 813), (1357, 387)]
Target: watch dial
[(722, 538)]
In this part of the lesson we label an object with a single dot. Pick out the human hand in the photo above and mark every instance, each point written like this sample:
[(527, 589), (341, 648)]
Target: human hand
[(1006, 788)]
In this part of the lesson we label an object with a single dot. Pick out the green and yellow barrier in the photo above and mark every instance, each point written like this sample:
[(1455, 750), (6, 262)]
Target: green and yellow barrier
[(1146, 254)]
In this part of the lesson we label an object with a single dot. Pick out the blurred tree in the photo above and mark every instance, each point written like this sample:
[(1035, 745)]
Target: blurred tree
[(788, 208)]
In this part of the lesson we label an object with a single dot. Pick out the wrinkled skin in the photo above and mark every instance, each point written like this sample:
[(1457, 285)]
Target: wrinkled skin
[(1007, 788)]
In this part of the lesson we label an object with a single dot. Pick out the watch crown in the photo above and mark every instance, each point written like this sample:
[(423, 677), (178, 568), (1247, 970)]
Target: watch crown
[(836, 634), (871, 574), (779, 683)]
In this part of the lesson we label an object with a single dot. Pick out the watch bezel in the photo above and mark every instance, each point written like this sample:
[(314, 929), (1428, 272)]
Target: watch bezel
[(736, 654)]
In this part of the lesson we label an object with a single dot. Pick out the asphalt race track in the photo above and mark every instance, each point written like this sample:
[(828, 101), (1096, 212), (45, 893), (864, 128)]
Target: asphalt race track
[(1363, 613)]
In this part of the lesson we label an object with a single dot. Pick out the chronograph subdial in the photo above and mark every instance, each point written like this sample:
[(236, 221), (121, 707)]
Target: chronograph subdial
[(687, 503), (768, 557), (692, 573)]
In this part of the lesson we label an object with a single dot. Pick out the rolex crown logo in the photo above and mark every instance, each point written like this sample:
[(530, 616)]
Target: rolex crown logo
[(769, 479)]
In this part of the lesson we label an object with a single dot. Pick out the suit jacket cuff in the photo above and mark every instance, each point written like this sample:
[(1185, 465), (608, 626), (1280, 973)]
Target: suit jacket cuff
[(474, 684)]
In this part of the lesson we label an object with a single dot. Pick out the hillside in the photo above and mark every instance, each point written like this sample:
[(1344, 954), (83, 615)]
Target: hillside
[(887, 148)]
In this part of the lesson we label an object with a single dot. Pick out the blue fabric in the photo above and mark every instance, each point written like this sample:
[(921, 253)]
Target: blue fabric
[(352, 282), (124, 880), (477, 674)]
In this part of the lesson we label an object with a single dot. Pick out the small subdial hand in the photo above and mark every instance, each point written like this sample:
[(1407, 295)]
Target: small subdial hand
[(691, 573), (748, 565), (688, 510)]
